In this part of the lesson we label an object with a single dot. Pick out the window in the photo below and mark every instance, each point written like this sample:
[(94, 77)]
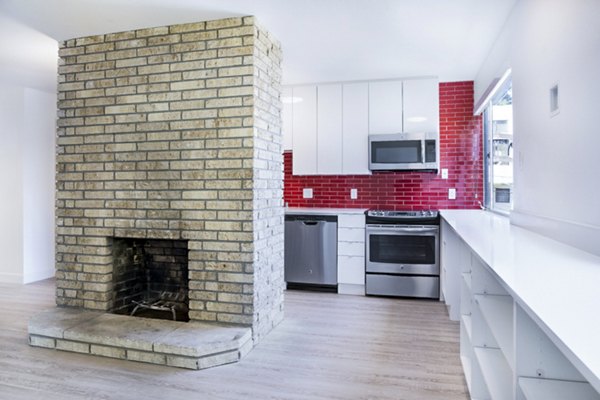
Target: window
[(498, 148)]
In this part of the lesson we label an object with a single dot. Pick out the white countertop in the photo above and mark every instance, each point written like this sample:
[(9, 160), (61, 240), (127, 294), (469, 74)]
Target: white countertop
[(557, 284), (324, 211)]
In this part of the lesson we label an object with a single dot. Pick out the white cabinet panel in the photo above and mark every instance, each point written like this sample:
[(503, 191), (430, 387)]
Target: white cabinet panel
[(287, 94), (421, 105), (329, 129), (355, 114), (305, 130), (385, 107), (351, 270)]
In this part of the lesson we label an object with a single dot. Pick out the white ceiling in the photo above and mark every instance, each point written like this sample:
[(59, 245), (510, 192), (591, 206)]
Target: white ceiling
[(323, 40)]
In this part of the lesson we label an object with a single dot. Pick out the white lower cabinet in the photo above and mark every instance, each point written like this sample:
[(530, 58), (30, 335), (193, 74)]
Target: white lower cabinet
[(505, 354), (351, 254)]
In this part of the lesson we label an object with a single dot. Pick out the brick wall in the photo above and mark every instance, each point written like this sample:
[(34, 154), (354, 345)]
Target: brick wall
[(267, 212), (174, 133), (460, 152)]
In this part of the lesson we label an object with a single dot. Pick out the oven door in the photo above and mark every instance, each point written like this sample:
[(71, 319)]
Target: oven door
[(402, 249)]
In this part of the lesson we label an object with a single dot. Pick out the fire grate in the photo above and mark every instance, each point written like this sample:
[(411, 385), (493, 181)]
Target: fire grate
[(166, 301)]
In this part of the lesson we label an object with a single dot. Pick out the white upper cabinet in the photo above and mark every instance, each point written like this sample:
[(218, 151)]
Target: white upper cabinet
[(421, 105), (330, 123), (304, 128), (287, 95), (329, 129), (385, 107), (355, 129)]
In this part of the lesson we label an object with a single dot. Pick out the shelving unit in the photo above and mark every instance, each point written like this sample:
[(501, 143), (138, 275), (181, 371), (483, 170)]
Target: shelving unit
[(505, 353), (497, 310), (496, 373), (548, 389)]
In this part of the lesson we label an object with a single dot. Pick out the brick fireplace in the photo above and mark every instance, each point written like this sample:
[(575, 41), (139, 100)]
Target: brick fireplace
[(170, 138)]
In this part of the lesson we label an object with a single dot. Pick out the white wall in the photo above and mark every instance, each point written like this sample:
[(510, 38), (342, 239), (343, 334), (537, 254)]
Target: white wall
[(557, 187), (28, 62), (38, 185), (11, 185)]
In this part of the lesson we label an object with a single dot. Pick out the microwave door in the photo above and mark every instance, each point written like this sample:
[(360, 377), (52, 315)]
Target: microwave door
[(402, 154)]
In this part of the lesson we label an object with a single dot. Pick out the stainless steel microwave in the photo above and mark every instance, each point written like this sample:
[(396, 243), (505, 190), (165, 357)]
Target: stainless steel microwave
[(404, 151)]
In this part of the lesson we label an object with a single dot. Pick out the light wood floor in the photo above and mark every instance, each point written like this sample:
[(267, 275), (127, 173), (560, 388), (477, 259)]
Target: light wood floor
[(328, 347)]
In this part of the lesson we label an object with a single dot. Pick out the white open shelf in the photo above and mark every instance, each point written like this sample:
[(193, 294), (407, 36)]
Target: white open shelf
[(467, 278), (466, 364), (551, 389), (466, 320), (498, 314), (496, 372)]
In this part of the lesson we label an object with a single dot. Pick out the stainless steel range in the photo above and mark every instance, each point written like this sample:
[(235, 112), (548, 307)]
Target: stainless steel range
[(402, 253)]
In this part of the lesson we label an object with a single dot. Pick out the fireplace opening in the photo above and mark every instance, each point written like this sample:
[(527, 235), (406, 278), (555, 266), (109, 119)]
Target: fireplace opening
[(150, 278)]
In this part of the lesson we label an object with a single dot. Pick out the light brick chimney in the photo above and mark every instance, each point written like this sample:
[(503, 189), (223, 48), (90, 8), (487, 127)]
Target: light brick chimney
[(174, 133)]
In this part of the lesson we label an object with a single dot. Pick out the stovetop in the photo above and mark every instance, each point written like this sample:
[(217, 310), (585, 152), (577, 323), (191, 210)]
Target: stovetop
[(402, 217)]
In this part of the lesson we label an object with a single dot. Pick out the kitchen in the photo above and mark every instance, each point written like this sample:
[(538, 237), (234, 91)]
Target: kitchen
[(522, 327)]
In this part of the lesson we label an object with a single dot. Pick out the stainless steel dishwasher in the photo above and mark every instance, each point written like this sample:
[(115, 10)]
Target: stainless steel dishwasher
[(311, 252)]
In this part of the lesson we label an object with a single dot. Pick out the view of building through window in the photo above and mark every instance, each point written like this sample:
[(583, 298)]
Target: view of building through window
[(499, 150)]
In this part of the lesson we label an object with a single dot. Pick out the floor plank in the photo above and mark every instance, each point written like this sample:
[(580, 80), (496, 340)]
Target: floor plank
[(328, 347)]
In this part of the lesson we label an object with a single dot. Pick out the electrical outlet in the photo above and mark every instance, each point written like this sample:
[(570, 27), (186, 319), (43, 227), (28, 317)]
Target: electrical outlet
[(452, 194), (354, 194), (307, 193), (444, 173)]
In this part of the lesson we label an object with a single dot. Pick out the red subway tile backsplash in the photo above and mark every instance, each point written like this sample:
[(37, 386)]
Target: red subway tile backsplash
[(461, 141)]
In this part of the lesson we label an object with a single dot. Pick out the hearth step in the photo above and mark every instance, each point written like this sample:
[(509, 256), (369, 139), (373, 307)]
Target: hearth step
[(192, 345)]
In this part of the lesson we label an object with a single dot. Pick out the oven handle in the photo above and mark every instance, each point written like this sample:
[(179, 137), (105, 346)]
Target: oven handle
[(399, 230)]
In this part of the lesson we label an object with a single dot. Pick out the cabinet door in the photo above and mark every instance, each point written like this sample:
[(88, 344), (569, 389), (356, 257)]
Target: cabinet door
[(385, 107), (287, 95), (329, 129), (355, 143), (304, 128), (421, 105)]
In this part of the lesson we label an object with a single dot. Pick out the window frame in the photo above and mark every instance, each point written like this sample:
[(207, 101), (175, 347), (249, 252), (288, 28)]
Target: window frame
[(500, 89)]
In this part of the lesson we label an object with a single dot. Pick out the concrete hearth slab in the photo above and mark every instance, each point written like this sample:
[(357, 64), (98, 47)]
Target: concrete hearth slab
[(53, 322), (192, 345), (196, 338), (121, 331)]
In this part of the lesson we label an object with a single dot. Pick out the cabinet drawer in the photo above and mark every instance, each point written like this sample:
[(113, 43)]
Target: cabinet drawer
[(351, 221), (351, 235), (356, 249)]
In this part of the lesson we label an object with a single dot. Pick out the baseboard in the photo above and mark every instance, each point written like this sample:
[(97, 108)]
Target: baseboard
[(11, 278), (584, 237), (348, 288)]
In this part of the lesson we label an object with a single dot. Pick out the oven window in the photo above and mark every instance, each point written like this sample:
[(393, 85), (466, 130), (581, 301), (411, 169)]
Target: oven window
[(396, 152), (400, 249)]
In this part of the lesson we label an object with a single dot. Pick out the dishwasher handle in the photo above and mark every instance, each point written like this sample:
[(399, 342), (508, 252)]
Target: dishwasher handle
[(311, 223)]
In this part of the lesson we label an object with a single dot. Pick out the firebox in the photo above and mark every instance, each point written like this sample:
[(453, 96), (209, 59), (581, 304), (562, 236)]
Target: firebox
[(150, 278)]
